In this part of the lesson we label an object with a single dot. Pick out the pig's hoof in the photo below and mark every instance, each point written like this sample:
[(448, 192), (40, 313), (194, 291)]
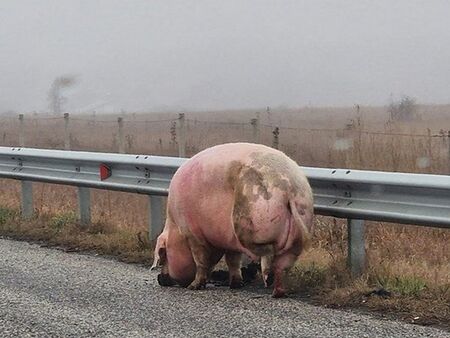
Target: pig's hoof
[(249, 272), (268, 279), (278, 293), (197, 286), (165, 280), (236, 283)]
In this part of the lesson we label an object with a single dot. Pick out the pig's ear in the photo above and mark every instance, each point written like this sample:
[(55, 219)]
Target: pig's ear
[(160, 255)]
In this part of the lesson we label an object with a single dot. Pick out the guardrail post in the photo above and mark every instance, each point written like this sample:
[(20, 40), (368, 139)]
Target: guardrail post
[(182, 136), (156, 216), (27, 186), (256, 129), (84, 194), (84, 205), (120, 139), (66, 132), (356, 246), (27, 199)]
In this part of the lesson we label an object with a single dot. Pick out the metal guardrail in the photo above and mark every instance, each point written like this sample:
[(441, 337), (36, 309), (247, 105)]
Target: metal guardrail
[(382, 196), (353, 194), (142, 174)]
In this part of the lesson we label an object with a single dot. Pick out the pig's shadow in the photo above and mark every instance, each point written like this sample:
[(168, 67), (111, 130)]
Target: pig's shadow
[(249, 273), (251, 282)]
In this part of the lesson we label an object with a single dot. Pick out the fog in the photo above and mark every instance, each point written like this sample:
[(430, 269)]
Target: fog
[(196, 55)]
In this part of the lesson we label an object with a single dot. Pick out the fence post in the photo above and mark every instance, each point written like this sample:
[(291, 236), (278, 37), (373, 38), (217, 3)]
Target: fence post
[(269, 118), (448, 144), (182, 136), (276, 133), (429, 149), (156, 216), (21, 131), (66, 132), (356, 246), (120, 139), (26, 186), (256, 129)]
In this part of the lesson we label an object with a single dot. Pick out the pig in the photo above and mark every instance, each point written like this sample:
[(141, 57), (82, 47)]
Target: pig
[(231, 200)]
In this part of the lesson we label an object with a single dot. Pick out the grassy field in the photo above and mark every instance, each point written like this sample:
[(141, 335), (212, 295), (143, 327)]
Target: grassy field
[(410, 262)]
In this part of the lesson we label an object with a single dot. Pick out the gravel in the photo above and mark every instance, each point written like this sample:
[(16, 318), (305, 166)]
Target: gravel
[(49, 293)]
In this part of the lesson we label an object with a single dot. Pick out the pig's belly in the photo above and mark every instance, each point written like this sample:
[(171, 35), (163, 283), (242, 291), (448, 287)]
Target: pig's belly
[(211, 221), (220, 234)]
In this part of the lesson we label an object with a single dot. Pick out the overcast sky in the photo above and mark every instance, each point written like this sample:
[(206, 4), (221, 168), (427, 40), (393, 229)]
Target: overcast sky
[(147, 55)]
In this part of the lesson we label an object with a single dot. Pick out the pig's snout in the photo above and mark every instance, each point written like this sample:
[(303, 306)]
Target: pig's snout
[(165, 280)]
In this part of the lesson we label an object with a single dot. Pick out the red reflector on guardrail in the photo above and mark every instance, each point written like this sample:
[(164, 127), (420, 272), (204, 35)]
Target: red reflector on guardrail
[(105, 172)]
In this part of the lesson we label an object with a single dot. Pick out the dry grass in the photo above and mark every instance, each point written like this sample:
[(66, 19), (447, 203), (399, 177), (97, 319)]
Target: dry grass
[(408, 271), (413, 263), (62, 230)]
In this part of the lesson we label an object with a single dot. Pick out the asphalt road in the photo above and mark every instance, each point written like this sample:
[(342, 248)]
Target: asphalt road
[(49, 293)]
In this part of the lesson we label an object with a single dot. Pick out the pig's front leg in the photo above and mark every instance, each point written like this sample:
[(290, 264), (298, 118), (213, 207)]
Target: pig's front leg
[(205, 257), (266, 270)]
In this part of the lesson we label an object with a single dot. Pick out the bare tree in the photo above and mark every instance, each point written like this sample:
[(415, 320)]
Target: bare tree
[(403, 110), (55, 97)]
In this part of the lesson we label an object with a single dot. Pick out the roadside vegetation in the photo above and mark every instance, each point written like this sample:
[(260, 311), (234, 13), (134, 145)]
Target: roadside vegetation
[(63, 231), (407, 275), (413, 286)]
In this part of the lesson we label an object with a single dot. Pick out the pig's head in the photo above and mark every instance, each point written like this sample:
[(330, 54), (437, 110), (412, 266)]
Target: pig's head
[(173, 254)]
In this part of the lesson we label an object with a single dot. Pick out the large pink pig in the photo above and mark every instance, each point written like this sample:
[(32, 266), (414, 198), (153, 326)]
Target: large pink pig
[(234, 199)]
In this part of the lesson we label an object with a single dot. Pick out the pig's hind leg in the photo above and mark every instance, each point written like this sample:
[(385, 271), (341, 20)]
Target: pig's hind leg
[(281, 264), (233, 260)]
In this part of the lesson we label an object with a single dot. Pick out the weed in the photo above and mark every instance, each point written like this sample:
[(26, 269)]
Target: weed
[(404, 285), (6, 215), (308, 277), (62, 220)]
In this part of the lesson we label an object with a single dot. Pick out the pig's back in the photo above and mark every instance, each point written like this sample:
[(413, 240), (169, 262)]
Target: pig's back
[(201, 196)]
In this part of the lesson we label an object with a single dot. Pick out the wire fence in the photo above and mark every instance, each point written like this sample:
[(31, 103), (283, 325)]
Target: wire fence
[(351, 146)]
